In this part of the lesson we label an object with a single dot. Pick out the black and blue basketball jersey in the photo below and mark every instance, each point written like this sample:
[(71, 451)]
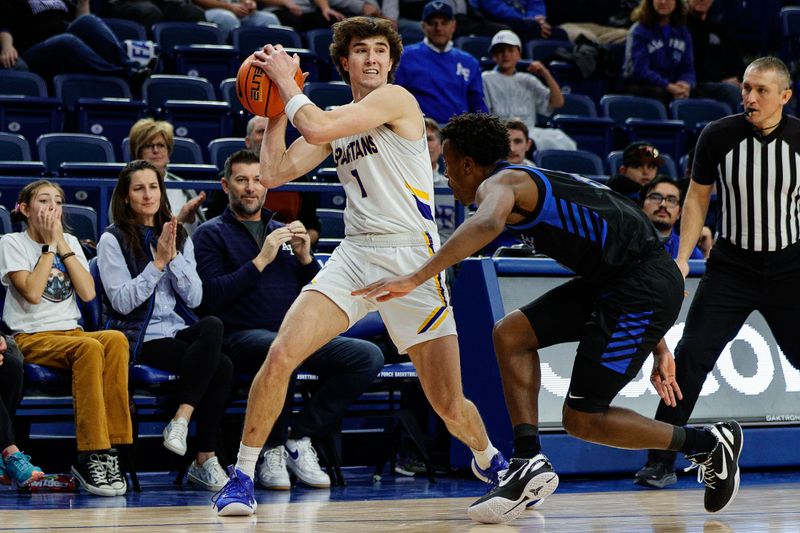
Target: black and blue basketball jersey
[(584, 225)]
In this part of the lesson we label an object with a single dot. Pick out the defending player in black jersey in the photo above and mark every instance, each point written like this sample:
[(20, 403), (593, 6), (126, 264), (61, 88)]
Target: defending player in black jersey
[(626, 295)]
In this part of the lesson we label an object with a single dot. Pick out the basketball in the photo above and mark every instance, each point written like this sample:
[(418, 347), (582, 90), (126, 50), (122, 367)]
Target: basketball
[(257, 93)]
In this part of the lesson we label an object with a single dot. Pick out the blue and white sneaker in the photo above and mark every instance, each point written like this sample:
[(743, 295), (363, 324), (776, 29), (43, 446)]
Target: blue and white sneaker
[(491, 474), (19, 469), (236, 498)]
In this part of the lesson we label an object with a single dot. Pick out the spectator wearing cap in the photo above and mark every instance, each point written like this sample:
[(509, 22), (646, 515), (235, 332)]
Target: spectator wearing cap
[(527, 18), (640, 162), (445, 80), (509, 93), (662, 200)]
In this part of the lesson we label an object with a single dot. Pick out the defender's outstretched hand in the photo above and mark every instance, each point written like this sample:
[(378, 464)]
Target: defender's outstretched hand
[(388, 288)]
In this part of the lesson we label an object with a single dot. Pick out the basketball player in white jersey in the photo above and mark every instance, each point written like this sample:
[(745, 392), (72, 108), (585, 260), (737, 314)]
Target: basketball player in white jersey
[(380, 151)]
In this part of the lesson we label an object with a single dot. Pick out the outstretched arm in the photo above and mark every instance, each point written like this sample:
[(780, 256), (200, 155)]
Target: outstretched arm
[(496, 201)]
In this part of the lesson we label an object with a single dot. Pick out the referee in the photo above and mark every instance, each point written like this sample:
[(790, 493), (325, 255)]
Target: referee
[(755, 264)]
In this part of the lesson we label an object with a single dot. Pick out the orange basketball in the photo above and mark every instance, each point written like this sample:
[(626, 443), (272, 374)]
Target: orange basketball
[(256, 91)]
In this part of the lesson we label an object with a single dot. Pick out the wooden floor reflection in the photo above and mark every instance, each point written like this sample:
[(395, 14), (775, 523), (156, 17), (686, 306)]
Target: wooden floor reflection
[(759, 508)]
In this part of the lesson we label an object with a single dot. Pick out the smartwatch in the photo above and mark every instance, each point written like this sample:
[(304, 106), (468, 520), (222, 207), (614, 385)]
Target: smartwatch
[(46, 249)]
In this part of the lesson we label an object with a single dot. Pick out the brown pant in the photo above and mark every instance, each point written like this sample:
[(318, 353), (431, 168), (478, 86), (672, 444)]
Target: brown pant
[(99, 364)]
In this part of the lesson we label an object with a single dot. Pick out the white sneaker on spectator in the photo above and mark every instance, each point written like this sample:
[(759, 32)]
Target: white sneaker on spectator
[(301, 459), (175, 436), (272, 473), (209, 475)]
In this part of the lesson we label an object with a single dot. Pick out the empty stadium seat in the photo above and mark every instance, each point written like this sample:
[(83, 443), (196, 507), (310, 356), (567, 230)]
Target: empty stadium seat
[(126, 29), (101, 105), (220, 149), (214, 62), (25, 107), (544, 50), (620, 107), (201, 121), (5, 220), (641, 118), (14, 147), (332, 228), (475, 45), (578, 105), (595, 134), (159, 88), (168, 35), (248, 39), (56, 148), (319, 41), (574, 161), (82, 221), (329, 94), (695, 113)]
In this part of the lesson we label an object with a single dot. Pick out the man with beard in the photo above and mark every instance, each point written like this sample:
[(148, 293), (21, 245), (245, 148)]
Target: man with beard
[(662, 200), (253, 268)]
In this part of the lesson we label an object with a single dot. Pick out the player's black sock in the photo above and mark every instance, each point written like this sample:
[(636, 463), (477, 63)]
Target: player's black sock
[(526, 441), (698, 441), (678, 439)]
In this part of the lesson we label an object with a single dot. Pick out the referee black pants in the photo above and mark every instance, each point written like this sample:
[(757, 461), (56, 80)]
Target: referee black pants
[(736, 283)]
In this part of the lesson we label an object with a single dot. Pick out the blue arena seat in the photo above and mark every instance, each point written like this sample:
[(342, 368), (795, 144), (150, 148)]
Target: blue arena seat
[(332, 228), (159, 88), (579, 105), (168, 35), (25, 107), (56, 148), (595, 134), (695, 113), (14, 147), (574, 161), (220, 149), (620, 107), (334, 93), (214, 62), (641, 118), (475, 45), (248, 39), (126, 29), (82, 221), (319, 41), (239, 116), (201, 121), (544, 50), (5, 220)]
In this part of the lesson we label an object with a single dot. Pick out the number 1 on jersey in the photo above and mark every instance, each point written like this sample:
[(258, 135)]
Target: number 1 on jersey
[(354, 172)]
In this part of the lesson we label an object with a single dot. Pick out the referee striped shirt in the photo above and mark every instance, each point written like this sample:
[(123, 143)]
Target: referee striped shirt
[(758, 189)]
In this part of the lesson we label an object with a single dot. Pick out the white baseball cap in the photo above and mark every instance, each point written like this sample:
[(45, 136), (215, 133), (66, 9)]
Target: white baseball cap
[(505, 37)]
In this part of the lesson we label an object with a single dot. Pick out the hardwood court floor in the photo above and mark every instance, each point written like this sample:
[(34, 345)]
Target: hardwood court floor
[(761, 506)]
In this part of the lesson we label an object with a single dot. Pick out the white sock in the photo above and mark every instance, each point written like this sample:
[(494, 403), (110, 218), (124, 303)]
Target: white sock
[(247, 459), (484, 458)]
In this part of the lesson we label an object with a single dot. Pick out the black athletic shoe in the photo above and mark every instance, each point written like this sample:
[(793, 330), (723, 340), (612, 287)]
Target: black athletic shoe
[(719, 468), (91, 472), (525, 481), (656, 474)]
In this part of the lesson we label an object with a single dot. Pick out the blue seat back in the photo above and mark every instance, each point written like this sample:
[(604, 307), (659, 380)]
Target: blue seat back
[(201, 121), (22, 83), (544, 49), (332, 223), (220, 149), (579, 105), (213, 62), (248, 39), (159, 88), (56, 148), (126, 29), (5, 226), (328, 94), (82, 221), (170, 34), (70, 87), (475, 45), (620, 107), (574, 161), (30, 116), (694, 111), (14, 147)]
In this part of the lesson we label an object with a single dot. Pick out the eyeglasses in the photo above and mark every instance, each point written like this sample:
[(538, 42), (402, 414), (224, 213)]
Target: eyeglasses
[(154, 146), (657, 198)]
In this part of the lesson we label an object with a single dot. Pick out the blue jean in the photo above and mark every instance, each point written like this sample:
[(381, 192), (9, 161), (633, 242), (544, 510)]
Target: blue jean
[(88, 46), (346, 367)]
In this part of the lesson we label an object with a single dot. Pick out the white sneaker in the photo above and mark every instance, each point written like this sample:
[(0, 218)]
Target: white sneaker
[(175, 436), (302, 462), (272, 473), (209, 475)]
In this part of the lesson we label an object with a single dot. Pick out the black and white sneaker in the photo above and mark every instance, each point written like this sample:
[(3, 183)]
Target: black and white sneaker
[(114, 476), (525, 481), (719, 468), (91, 472)]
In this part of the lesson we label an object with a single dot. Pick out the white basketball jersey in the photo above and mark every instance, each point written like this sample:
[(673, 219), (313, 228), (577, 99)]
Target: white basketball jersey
[(388, 183)]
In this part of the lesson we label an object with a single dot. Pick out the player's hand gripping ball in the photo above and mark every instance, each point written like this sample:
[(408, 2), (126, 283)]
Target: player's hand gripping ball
[(256, 91)]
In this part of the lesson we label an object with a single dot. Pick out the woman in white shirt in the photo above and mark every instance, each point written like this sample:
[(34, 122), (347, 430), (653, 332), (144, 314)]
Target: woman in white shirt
[(44, 269)]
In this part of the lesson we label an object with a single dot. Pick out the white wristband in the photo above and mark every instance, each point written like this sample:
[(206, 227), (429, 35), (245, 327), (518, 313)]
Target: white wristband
[(294, 104)]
